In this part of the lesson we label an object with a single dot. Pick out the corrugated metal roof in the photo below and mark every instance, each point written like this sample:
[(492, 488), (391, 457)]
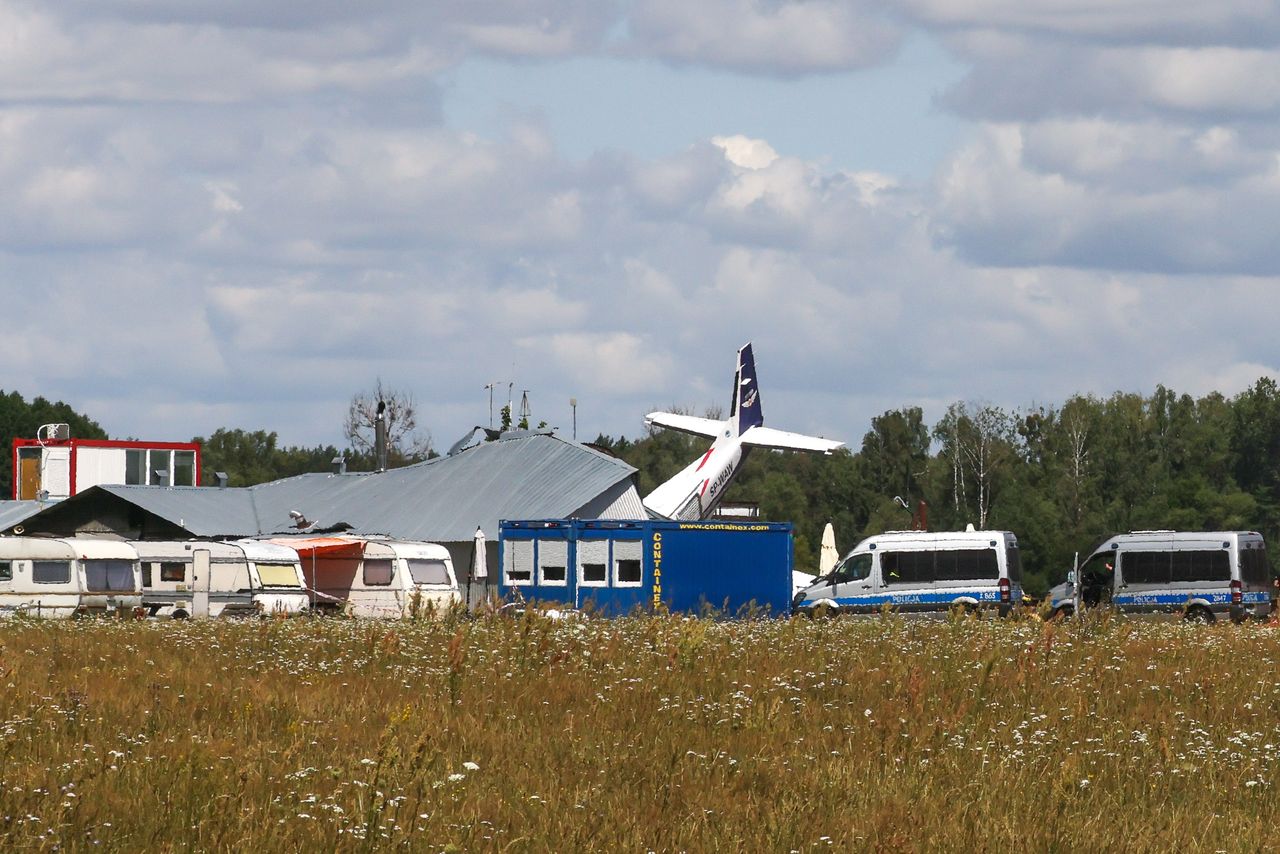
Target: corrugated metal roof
[(13, 512), (534, 476)]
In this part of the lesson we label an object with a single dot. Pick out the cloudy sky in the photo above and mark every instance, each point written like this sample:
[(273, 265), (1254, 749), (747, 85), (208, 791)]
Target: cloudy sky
[(239, 213)]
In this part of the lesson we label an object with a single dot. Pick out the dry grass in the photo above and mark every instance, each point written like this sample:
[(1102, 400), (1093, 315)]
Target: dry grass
[(638, 734)]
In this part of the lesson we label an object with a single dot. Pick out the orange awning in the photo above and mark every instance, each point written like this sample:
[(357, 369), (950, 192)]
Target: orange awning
[(313, 547)]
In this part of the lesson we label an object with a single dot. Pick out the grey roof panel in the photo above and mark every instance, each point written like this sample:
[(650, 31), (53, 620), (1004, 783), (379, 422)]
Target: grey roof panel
[(13, 512), (533, 476)]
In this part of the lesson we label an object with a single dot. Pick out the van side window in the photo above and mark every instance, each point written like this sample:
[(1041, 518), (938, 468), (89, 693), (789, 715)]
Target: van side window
[(6, 570), (377, 573), (1145, 567), (966, 564), (1201, 566), (50, 571), (906, 567)]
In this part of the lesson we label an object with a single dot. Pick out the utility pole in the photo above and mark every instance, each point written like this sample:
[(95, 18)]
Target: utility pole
[(573, 404), (490, 388)]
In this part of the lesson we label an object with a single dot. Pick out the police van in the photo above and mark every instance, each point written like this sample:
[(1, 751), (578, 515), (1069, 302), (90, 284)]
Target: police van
[(917, 572), (1196, 575)]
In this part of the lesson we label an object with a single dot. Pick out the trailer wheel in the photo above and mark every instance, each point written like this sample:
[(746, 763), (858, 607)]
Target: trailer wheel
[(180, 614)]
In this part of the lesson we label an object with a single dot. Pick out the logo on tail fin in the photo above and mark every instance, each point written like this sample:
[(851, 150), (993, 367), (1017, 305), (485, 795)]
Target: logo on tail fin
[(746, 402)]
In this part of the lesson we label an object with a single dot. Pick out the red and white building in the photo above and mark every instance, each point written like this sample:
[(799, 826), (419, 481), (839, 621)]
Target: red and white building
[(56, 466)]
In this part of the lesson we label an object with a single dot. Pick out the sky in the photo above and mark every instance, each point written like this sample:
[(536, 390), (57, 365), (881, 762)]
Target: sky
[(234, 214)]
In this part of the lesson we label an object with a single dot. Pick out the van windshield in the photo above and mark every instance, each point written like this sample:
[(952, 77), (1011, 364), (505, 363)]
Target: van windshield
[(852, 568)]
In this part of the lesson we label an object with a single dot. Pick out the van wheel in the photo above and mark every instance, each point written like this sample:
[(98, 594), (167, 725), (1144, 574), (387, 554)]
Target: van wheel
[(1063, 612), (1199, 614)]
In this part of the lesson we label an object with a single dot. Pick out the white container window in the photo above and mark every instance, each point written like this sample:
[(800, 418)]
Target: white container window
[(428, 571), (517, 563), (627, 563), (50, 571), (593, 563), (553, 563), (377, 573)]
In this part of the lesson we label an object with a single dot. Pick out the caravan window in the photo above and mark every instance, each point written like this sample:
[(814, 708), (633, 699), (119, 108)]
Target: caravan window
[(377, 573), (108, 575), (278, 575), (426, 571), (50, 571), (6, 570), (173, 572)]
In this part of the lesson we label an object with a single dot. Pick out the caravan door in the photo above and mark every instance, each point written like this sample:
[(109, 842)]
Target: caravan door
[(200, 570)]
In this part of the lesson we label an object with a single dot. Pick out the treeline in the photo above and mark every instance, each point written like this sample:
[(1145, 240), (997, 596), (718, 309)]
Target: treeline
[(1060, 477)]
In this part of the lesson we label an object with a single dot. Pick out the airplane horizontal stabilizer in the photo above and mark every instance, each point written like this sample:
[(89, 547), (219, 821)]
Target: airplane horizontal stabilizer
[(686, 424), (767, 437)]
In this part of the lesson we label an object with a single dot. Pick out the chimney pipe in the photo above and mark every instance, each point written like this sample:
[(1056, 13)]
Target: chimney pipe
[(380, 436)]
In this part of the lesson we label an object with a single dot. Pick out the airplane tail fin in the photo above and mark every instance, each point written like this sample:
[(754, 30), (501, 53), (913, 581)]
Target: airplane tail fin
[(744, 407)]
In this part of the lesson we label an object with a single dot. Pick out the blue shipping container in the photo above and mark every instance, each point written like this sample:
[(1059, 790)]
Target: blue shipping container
[(615, 566)]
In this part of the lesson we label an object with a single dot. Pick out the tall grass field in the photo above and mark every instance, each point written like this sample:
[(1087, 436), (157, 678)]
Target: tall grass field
[(638, 734)]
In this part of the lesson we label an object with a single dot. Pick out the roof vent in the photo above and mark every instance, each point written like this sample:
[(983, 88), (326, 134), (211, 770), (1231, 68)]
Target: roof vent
[(221, 478)]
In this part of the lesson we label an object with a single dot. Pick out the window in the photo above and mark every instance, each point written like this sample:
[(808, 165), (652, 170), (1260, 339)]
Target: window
[(184, 468), (1253, 566), (1145, 567), (593, 563), (50, 571), (6, 570), (377, 573), (278, 575), (173, 572), (906, 567), (627, 571), (517, 562), (966, 565), (1188, 566), (159, 468), (146, 573), (1013, 557), (135, 467), (108, 575), (852, 568), (553, 559), (428, 571)]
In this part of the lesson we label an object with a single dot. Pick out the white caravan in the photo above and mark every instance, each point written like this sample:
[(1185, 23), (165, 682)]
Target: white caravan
[(372, 577), (1196, 575), (695, 492), (65, 577), (245, 578), (921, 572)]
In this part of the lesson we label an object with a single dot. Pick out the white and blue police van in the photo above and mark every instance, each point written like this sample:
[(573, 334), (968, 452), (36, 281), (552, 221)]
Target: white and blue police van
[(918, 572), (1193, 575)]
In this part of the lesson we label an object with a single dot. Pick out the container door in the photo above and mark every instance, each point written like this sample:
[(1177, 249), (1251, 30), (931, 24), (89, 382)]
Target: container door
[(200, 569)]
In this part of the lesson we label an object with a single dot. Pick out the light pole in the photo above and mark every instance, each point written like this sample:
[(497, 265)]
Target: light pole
[(490, 388), (573, 404)]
